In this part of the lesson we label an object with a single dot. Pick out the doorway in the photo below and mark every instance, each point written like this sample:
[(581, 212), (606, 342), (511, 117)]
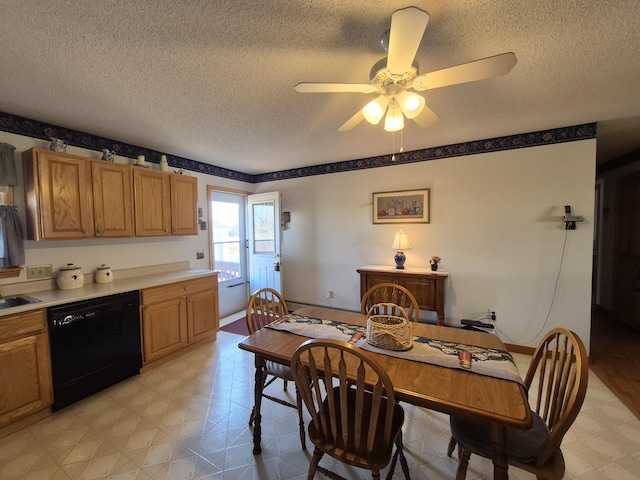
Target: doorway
[(227, 215)]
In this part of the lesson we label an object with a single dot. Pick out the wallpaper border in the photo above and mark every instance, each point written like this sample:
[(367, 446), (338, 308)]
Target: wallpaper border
[(36, 129)]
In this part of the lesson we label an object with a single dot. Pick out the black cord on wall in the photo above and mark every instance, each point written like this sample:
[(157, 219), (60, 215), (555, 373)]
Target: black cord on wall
[(553, 298)]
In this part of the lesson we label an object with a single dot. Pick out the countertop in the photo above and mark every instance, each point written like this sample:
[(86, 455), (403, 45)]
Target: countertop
[(51, 297)]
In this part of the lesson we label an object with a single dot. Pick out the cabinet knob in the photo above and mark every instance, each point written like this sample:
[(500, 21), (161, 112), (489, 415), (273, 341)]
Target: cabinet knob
[(84, 231)]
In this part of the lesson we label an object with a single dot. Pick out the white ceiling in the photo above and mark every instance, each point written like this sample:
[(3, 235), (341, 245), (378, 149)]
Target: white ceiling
[(214, 81)]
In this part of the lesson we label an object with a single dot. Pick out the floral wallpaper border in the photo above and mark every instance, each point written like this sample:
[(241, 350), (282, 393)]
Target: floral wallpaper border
[(35, 129)]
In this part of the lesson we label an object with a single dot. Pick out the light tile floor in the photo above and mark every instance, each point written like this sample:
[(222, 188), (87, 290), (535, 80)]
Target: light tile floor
[(187, 419)]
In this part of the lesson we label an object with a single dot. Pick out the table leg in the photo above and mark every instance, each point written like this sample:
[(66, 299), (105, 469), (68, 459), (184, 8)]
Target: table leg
[(257, 393), (498, 440)]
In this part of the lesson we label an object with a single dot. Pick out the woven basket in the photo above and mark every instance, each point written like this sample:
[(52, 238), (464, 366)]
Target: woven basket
[(389, 332)]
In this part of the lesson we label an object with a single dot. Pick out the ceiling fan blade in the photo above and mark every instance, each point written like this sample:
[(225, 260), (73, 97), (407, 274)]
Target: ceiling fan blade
[(467, 72), (335, 88), (426, 118), (407, 28), (352, 122)]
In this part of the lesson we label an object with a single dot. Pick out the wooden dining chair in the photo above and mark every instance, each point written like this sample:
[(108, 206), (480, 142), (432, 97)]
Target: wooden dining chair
[(265, 306), (558, 374), (391, 293), (355, 417)]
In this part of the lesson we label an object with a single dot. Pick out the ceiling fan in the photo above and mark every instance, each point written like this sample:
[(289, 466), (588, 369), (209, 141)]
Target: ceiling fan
[(393, 77)]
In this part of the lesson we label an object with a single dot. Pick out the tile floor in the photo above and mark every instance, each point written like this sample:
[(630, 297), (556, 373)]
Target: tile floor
[(187, 419)]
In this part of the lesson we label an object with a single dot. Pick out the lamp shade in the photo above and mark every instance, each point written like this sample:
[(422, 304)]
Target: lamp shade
[(401, 241), (374, 110), (394, 120), (411, 104)]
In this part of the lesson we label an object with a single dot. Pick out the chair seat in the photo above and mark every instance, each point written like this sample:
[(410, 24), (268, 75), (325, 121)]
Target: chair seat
[(278, 369), (379, 456), (523, 446)]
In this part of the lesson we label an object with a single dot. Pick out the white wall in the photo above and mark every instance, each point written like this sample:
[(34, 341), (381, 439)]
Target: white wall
[(495, 221), (118, 253)]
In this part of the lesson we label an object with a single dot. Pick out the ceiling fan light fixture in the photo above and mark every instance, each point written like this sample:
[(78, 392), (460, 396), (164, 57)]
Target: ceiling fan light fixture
[(411, 104), (394, 120), (374, 110)]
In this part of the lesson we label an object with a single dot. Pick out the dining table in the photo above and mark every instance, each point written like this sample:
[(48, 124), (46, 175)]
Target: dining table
[(502, 402)]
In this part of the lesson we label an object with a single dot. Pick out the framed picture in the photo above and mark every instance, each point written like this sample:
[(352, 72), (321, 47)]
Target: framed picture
[(404, 206)]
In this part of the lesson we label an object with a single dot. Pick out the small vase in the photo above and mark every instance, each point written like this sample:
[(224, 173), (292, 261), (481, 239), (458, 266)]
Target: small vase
[(434, 267), (164, 165)]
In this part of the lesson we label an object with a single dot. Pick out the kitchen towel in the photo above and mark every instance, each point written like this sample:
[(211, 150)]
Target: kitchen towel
[(7, 165), (11, 237)]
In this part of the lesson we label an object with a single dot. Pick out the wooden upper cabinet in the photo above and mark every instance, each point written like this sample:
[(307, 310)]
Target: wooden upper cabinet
[(112, 199), (59, 195), (72, 197), (152, 202), (184, 205)]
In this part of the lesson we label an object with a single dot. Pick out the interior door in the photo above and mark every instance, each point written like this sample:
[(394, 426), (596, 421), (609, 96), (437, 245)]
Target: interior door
[(627, 250), (228, 250), (264, 242)]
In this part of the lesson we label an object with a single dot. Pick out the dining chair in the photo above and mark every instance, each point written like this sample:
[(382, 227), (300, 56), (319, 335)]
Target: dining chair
[(558, 374), (355, 417), (391, 293), (265, 306)]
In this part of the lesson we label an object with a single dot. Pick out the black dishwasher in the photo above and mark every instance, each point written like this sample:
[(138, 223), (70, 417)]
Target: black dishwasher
[(94, 344)]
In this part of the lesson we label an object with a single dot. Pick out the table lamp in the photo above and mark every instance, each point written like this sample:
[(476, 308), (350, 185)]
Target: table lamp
[(401, 243)]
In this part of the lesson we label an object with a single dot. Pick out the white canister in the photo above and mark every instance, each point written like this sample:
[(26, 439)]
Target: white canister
[(103, 274), (70, 277), (164, 165)]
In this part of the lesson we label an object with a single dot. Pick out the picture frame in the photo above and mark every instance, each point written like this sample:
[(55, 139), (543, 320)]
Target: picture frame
[(401, 206)]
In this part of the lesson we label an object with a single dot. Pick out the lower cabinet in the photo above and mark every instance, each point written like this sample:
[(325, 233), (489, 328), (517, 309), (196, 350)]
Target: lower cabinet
[(177, 315), (25, 366)]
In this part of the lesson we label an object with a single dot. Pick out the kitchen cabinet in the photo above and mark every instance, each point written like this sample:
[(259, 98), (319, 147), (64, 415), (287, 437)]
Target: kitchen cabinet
[(71, 197), (25, 368), (152, 202), (184, 205), (427, 286), (178, 315), (59, 195), (112, 199)]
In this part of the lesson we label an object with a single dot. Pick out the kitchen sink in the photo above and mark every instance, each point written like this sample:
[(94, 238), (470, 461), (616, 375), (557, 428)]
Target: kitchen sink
[(16, 301)]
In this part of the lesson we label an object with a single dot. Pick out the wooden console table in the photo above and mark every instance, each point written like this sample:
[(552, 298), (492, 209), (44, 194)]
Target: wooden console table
[(427, 286)]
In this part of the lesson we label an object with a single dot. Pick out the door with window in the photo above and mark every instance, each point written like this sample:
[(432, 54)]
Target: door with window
[(264, 242), (228, 249)]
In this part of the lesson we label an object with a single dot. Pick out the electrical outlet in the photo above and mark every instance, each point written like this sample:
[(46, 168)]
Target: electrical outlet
[(329, 294), (39, 271), (199, 255)]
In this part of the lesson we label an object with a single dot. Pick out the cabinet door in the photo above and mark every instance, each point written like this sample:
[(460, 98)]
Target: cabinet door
[(423, 289), (65, 205), (152, 206), (203, 315), (112, 199), (25, 377), (164, 328), (184, 205)]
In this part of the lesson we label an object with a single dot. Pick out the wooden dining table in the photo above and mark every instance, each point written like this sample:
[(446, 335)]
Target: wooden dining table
[(452, 391)]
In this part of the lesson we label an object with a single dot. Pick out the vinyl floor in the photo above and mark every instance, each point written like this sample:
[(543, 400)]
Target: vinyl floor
[(187, 419)]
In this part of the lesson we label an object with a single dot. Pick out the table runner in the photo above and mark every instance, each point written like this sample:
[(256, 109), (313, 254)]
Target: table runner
[(481, 360)]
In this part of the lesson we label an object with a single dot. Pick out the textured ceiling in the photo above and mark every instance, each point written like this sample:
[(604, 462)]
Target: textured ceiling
[(214, 81)]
